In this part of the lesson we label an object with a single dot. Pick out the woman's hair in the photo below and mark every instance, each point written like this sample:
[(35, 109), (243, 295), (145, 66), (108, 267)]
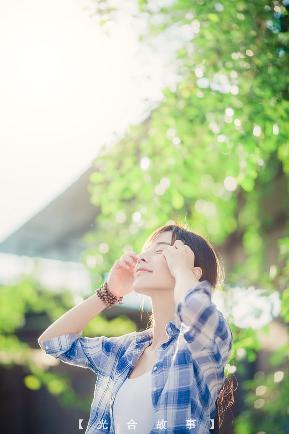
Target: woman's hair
[(205, 255), (213, 271)]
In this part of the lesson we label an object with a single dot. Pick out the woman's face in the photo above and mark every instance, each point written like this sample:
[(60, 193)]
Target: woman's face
[(158, 277)]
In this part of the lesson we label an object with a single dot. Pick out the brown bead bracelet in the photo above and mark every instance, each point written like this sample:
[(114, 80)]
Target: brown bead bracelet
[(107, 296)]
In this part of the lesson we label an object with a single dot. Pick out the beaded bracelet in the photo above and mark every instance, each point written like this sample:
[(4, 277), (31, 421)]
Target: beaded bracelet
[(108, 297)]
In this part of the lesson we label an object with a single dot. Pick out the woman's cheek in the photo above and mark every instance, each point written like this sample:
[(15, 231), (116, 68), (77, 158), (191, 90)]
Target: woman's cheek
[(164, 265)]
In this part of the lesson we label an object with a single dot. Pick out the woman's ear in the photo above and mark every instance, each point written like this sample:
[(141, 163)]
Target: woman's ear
[(197, 272)]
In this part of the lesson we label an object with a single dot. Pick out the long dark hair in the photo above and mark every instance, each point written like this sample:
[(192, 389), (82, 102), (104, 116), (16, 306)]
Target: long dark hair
[(211, 264)]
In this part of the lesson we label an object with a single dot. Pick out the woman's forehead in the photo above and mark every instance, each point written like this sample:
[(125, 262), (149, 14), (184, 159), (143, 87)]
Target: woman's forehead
[(165, 237)]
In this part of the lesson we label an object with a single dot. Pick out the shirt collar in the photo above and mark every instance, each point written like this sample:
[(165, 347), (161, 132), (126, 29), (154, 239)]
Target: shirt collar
[(172, 329)]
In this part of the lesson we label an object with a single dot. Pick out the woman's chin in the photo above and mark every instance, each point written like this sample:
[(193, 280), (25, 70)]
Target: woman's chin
[(138, 288), (135, 287)]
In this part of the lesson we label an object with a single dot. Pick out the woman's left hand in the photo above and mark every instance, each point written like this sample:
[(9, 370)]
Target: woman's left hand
[(179, 257)]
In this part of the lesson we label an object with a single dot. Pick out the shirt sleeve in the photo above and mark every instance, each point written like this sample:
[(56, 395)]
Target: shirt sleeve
[(75, 349), (204, 325), (207, 336)]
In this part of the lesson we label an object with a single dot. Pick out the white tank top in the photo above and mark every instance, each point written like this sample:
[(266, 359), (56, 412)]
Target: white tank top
[(132, 408)]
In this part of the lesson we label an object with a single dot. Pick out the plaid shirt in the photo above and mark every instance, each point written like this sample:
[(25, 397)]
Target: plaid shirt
[(186, 378)]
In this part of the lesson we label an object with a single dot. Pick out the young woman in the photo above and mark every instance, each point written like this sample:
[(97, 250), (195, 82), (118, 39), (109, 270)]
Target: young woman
[(165, 379)]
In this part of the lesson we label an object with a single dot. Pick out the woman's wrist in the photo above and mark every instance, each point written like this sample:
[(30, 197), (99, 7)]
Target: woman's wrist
[(184, 279), (107, 296)]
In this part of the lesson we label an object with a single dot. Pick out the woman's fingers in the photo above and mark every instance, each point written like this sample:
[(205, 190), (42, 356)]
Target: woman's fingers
[(126, 263), (131, 257), (128, 260)]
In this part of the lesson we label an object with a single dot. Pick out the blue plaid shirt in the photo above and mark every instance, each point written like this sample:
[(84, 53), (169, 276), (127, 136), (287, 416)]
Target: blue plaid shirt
[(186, 378)]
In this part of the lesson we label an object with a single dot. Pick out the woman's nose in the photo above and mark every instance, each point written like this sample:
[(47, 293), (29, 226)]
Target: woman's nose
[(141, 258)]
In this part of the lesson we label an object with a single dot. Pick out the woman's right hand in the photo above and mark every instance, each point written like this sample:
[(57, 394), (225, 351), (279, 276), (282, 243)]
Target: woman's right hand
[(121, 276)]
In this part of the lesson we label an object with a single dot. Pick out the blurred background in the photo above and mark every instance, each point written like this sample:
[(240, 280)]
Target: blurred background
[(118, 117)]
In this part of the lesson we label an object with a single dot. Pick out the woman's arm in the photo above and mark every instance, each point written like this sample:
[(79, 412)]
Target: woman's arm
[(75, 319), (120, 280), (207, 334), (206, 325), (62, 338)]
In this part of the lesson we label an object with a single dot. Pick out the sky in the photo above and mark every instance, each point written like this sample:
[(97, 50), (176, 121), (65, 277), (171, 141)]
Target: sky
[(67, 88)]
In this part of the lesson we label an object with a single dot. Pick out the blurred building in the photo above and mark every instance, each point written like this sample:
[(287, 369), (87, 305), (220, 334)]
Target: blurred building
[(54, 236)]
